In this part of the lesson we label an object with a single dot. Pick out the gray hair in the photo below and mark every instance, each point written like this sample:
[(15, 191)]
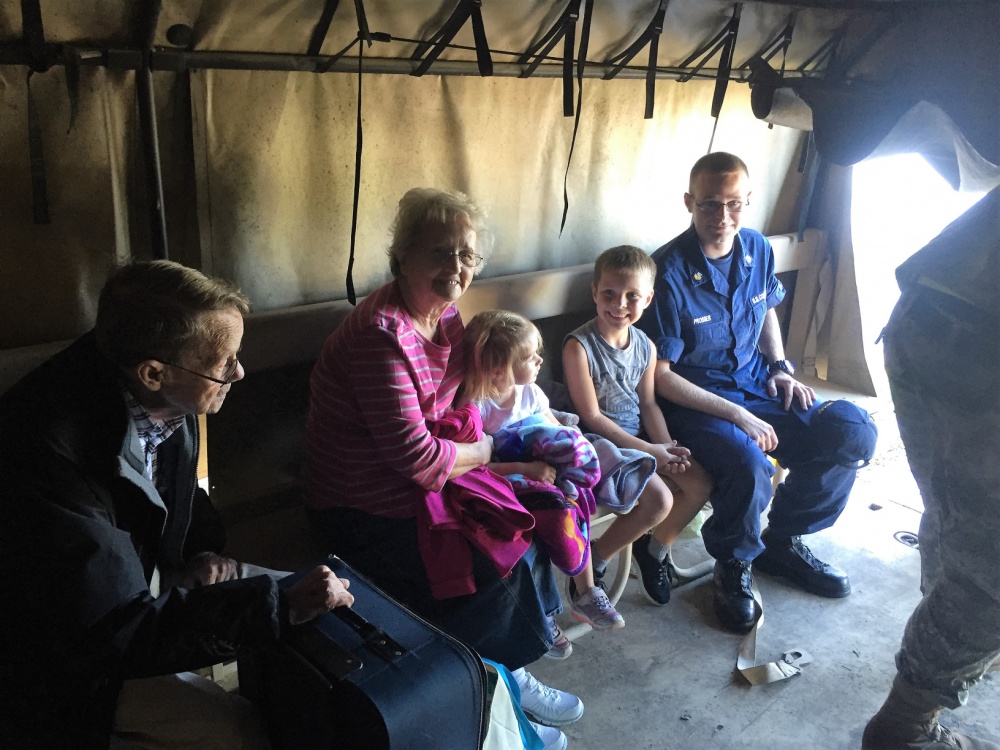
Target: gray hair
[(422, 206), (155, 310)]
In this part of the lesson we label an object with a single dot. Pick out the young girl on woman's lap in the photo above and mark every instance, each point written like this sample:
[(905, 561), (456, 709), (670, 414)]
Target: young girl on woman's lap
[(502, 353)]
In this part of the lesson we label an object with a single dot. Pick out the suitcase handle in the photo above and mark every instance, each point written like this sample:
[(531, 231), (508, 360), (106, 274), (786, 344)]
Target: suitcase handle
[(376, 639)]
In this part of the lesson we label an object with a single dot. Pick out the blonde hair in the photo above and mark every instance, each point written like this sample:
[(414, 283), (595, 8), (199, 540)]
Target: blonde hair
[(625, 259), (494, 340), (422, 206)]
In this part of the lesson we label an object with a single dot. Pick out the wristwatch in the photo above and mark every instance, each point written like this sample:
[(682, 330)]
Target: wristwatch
[(782, 364)]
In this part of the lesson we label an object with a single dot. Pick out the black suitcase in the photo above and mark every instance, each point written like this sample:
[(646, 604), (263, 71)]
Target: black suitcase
[(372, 677)]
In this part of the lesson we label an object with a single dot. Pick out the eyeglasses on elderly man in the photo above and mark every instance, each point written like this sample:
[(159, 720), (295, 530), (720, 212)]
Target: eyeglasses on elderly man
[(227, 377)]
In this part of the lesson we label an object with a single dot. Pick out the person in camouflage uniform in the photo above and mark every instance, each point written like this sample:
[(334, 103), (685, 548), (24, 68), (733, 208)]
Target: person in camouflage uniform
[(942, 355)]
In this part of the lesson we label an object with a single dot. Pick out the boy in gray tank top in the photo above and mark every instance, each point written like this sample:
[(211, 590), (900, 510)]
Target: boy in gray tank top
[(609, 369)]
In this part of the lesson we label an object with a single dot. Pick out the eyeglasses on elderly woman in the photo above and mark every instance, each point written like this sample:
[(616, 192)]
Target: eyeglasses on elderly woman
[(466, 258)]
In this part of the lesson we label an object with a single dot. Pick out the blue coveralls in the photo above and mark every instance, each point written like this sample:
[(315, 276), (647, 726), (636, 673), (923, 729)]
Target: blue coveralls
[(710, 333)]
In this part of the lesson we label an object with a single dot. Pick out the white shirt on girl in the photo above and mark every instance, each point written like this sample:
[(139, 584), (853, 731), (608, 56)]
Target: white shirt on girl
[(528, 401)]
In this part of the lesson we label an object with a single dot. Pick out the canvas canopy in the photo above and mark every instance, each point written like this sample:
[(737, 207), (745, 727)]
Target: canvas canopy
[(251, 171)]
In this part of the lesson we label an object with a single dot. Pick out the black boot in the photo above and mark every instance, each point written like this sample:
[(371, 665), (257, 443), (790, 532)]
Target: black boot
[(907, 721), (734, 603), (790, 558)]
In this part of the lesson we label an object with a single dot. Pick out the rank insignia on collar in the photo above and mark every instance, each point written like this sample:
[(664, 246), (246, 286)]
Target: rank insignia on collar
[(697, 276), (749, 259)]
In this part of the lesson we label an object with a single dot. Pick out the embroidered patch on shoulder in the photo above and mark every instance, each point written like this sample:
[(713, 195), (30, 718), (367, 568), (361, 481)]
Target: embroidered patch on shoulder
[(759, 298), (702, 319)]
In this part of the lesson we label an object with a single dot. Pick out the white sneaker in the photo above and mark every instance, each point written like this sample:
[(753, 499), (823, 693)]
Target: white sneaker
[(552, 738), (544, 704)]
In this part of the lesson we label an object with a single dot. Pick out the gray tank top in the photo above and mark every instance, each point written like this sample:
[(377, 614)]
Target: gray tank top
[(616, 373)]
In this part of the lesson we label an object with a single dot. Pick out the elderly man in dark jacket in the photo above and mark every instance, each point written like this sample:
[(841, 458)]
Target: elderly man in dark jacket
[(110, 551)]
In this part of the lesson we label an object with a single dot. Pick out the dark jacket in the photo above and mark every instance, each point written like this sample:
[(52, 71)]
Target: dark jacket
[(80, 532)]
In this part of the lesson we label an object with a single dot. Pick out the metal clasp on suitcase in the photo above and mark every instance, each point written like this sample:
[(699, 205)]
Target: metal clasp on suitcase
[(376, 639), (326, 655), (333, 659)]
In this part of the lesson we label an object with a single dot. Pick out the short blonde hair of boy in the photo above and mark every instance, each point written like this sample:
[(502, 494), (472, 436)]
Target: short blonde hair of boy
[(494, 340), (625, 259)]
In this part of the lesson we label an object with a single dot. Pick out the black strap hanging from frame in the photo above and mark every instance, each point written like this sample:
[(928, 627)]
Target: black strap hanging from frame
[(808, 165), (434, 46), (352, 297), (34, 41), (650, 36), (73, 58), (581, 64), (365, 36), (39, 189), (322, 27), (33, 34), (363, 31), (725, 41), (563, 29), (726, 62)]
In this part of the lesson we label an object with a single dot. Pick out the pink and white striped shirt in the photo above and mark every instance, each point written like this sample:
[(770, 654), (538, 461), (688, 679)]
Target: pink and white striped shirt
[(373, 389)]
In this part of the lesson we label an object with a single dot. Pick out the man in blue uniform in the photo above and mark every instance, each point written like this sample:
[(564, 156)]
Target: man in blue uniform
[(728, 394)]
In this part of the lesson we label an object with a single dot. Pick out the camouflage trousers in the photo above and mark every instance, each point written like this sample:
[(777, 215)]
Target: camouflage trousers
[(943, 362)]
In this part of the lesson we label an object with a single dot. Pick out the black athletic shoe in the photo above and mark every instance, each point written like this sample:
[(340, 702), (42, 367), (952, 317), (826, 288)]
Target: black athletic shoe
[(655, 575), (733, 600), (792, 559)]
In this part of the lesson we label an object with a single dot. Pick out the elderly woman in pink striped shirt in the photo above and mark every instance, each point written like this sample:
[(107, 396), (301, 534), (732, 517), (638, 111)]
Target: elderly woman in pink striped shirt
[(385, 374)]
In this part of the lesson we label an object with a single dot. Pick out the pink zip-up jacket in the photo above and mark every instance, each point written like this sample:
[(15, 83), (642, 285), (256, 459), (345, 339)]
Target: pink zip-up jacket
[(478, 509)]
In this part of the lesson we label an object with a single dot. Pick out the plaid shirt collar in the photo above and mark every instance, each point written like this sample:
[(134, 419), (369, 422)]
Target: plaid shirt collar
[(152, 432)]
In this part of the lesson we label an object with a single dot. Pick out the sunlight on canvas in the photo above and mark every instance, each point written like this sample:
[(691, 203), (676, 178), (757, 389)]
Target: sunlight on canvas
[(899, 204)]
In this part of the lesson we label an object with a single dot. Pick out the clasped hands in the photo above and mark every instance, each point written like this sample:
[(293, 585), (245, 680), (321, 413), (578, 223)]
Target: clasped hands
[(671, 458)]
